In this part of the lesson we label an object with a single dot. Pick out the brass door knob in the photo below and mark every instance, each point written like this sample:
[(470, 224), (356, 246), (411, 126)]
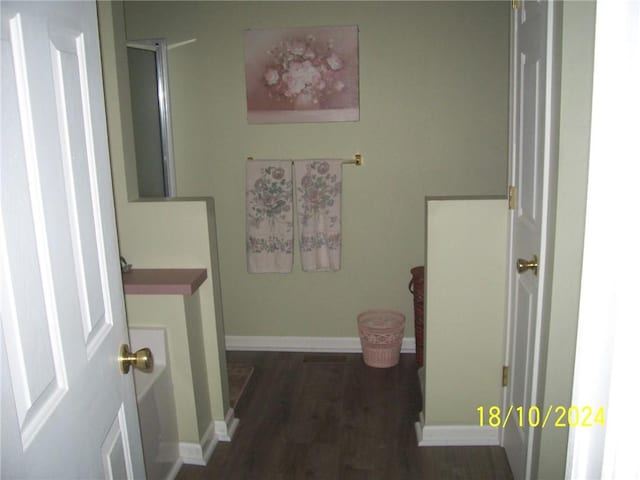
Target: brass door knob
[(524, 265), (142, 359)]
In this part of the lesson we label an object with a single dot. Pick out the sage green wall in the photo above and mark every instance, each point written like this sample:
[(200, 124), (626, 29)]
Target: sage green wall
[(575, 124), (433, 121)]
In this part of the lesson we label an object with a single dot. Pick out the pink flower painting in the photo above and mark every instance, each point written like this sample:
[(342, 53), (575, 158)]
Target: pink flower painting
[(299, 75)]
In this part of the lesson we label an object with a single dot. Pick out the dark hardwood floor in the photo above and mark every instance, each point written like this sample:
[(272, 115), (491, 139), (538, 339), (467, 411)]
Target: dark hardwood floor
[(329, 416)]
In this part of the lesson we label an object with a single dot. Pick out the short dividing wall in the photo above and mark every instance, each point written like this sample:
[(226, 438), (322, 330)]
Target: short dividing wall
[(180, 234), (465, 295)]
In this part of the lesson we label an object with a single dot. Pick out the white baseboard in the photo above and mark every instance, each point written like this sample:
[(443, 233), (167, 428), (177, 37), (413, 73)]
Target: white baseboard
[(191, 453), (455, 435), (209, 441), (305, 344), (225, 429), (173, 473), (218, 431)]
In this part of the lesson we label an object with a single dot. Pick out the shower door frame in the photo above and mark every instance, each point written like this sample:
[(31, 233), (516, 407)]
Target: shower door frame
[(159, 47)]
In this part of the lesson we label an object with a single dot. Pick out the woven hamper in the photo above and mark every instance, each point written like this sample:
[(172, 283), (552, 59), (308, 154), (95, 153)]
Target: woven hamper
[(381, 333), (416, 287)]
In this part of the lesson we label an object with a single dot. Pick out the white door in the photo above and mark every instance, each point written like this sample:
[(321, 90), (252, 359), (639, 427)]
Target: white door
[(67, 411), (532, 172)]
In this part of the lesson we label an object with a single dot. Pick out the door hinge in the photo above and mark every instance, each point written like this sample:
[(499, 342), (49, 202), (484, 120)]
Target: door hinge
[(505, 376), (512, 197)]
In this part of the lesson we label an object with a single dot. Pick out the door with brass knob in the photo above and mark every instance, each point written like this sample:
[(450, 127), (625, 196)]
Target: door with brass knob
[(142, 359), (61, 301), (523, 265)]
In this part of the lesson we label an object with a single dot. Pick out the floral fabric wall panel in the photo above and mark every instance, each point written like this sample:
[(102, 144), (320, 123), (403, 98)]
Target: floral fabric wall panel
[(298, 75), (269, 229), (318, 185)]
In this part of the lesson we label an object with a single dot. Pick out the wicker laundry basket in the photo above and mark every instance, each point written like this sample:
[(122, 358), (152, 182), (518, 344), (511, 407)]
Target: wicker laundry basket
[(416, 287), (381, 333)]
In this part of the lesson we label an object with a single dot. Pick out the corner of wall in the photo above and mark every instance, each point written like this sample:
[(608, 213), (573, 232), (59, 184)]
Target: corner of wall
[(578, 34), (115, 73)]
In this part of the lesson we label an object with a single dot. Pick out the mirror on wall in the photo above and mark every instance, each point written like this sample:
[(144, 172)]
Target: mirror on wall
[(149, 83)]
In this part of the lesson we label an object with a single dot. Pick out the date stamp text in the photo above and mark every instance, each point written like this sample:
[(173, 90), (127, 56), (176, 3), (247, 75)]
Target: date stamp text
[(555, 416)]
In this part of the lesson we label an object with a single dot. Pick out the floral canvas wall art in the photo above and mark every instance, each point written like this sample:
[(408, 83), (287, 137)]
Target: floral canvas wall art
[(297, 75)]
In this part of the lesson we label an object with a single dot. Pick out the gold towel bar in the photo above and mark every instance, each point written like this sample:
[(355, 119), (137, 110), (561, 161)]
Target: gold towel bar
[(356, 160)]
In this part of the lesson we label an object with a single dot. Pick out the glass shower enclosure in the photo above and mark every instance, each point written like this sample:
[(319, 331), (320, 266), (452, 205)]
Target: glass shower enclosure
[(149, 83)]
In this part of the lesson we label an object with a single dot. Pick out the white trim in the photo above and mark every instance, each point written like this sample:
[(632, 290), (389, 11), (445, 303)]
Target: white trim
[(455, 435), (173, 472), (171, 46), (225, 429), (217, 431), (304, 344), (209, 441), (191, 454), (199, 454)]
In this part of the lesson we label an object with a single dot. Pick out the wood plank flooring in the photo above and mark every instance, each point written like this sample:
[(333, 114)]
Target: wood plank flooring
[(329, 416)]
